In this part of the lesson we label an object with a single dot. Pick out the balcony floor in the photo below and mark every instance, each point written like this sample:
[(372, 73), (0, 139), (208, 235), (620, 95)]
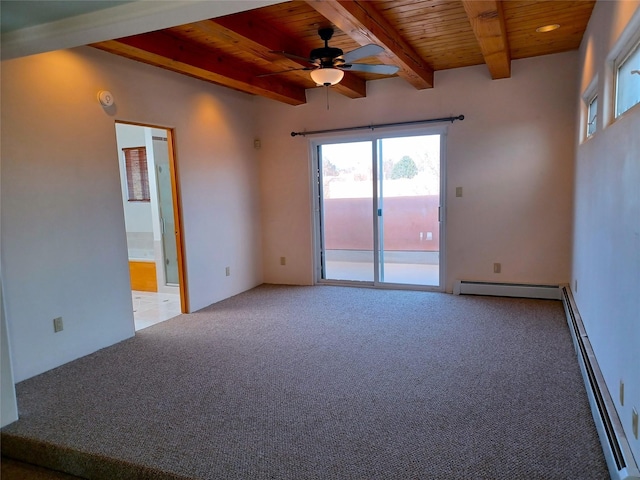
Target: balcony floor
[(410, 268)]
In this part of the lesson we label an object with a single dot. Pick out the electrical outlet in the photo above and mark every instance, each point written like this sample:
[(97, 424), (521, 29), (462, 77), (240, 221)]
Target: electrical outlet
[(283, 260), (227, 271), (57, 324), (621, 392), (634, 423), (497, 268)]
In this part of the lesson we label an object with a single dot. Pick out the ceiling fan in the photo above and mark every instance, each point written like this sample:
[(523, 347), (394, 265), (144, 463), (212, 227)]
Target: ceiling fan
[(328, 64)]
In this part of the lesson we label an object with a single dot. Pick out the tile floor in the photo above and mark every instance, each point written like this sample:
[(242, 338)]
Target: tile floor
[(150, 308)]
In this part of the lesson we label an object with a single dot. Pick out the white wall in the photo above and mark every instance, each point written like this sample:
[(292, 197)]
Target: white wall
[(606, 247), (160, 155), (63, 239), (513, 156), (137, 215)]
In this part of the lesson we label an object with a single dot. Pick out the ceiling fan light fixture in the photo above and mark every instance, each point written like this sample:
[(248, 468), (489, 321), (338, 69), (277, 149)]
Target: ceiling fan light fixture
[(326, 76)]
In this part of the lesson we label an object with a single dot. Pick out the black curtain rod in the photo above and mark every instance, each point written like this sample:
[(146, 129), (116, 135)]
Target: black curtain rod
[(381, 125)]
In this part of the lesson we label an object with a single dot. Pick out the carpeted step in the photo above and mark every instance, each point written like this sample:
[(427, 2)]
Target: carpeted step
[(14, 470), (73, 463)]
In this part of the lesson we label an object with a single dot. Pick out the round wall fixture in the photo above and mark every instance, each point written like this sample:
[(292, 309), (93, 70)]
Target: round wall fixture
[(106, 98)]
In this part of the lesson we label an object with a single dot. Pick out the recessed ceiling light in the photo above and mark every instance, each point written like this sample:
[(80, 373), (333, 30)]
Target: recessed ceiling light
[(547, 28)]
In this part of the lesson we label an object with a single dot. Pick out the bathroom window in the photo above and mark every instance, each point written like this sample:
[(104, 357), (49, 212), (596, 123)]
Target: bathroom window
[(628, 80), (135, 160)]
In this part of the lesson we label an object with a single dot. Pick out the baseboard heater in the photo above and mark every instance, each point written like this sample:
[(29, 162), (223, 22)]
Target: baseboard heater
[(620, 460), (463, 287)]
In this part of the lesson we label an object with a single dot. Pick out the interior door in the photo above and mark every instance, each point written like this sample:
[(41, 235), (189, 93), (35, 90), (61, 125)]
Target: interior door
[(379, 210)]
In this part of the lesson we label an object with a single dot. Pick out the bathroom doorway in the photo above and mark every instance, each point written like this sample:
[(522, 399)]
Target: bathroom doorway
[(152, 222)]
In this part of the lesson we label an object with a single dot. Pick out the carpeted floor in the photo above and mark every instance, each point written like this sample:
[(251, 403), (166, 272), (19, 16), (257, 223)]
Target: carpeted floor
[(326, 383)]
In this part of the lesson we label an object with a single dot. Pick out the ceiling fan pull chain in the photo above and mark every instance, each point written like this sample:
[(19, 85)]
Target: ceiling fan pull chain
[(326, 87)]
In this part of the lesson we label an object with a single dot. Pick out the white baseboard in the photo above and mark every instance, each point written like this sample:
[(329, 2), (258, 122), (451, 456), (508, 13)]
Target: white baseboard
[(616, 448), (464, 287)]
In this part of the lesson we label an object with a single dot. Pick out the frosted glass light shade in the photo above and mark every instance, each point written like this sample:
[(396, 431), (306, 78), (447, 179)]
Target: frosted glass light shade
[(327, 76)]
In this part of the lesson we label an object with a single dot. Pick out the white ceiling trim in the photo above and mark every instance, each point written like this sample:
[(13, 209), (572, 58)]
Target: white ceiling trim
[(121, 21)]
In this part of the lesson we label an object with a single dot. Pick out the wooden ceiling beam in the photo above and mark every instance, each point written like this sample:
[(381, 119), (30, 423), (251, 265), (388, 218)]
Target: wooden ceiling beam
[(363, 23), (488, 24), (163, 50), (260, 38)]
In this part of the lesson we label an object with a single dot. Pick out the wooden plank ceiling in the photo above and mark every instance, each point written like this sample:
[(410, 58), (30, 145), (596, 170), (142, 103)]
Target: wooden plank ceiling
[(418, 36)]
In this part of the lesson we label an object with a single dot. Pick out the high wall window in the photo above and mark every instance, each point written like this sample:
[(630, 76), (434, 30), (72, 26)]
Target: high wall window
[(135, 160), (592, 115), (628, 80)]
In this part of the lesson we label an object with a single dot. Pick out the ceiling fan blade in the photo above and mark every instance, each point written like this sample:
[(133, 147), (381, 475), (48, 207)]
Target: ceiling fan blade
[(294, 57), (364, 67), (284, 71), (362, 52)]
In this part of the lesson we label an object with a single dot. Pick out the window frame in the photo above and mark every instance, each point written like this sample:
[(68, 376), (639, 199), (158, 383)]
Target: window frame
[(627, 53), (592, 122), (137, 171), (588, 96), (623, 47)]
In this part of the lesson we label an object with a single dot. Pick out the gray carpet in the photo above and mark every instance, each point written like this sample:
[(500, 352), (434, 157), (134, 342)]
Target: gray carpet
[(324, 383)]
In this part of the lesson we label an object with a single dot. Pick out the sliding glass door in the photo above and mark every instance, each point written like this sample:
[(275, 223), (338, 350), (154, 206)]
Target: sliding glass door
[(379, 209), (346, 175)]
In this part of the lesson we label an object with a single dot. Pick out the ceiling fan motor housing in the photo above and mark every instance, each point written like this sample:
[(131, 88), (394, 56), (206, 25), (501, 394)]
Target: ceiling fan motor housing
[(327, 55)]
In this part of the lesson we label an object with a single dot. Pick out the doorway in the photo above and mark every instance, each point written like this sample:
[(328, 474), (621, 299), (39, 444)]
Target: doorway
[(379, 203), (152, 222)]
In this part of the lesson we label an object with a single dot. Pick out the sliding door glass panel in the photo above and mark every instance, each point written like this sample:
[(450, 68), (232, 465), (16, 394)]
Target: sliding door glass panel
[(408, 204), (346, 205)]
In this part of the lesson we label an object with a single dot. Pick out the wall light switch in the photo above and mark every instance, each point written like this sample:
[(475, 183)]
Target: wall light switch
[(283, 260), (497, 268), (57, 324), (227, 271), (458, 191)]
